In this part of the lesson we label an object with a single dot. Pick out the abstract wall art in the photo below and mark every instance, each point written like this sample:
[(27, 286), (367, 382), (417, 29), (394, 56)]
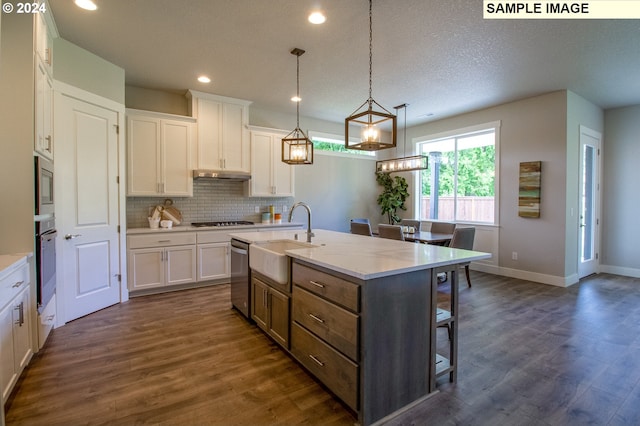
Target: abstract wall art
[(529, 189)]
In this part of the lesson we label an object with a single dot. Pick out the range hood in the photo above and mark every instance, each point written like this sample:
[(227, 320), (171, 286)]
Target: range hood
[(221, 174)]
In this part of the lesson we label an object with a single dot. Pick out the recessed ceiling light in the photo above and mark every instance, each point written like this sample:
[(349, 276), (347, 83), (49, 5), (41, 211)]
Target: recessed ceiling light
[(204, 79), (296, 99), (317, 18), (86, 4)]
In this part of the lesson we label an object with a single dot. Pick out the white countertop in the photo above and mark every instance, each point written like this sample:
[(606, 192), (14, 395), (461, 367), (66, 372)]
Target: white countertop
[(365, 257), (8, 262), (237, 228)]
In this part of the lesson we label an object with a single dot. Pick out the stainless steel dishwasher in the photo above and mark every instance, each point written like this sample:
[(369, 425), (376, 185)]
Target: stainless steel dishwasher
[(240, 277)]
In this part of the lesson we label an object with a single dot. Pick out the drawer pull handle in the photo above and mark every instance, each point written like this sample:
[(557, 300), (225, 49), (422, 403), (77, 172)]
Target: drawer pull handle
[(320, 320), (317, 284), (18, 284), (317, 361), (164, 241)]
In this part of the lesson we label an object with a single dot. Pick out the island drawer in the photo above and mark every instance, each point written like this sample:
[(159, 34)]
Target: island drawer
[(161, 240), (332, 368), (336, 289), (335, 325)]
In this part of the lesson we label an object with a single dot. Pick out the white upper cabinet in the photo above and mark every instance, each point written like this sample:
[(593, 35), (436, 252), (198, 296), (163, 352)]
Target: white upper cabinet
[(270, 177), (222, 135), (44, 40), (42, 46), (159, 150)]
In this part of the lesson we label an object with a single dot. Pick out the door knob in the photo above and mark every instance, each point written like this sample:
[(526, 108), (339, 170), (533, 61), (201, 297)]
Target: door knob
[(71, 237)]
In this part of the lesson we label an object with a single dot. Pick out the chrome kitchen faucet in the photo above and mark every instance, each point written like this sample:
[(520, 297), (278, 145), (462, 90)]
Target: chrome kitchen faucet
[(309, 233)]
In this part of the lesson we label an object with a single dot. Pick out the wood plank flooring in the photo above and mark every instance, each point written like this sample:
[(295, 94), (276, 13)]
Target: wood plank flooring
[(529, 354)]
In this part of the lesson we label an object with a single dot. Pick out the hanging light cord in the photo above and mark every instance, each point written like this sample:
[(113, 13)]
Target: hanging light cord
[(370, 49), (298, 91), (404, 144)]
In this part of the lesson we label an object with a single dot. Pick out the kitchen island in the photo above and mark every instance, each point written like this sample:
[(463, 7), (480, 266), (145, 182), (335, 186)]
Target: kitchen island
[(363, 315)]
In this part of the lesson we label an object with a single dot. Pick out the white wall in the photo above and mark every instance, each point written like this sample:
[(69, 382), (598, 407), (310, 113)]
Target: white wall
[(620, 231)]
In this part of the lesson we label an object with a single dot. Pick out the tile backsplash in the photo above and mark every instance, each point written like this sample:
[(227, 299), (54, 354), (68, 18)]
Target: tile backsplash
[(213, 200)]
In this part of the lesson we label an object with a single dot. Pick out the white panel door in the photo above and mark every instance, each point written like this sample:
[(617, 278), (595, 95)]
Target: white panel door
[(86, 168), (588, 234)]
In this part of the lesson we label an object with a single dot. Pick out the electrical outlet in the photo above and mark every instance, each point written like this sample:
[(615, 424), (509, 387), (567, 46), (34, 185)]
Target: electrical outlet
[(284, 209), (514, 255), (257, 209)]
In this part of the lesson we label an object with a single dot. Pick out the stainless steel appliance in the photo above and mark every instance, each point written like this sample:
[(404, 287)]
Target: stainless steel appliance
[(240, 277), (221, 223), (45, 261), (44, 186)]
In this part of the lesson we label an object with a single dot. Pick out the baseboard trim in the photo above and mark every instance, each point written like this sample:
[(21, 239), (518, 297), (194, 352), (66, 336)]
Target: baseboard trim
[(620, 270), (527, 275)]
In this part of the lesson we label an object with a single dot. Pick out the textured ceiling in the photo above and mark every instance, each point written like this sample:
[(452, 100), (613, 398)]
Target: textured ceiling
[(441, 57)]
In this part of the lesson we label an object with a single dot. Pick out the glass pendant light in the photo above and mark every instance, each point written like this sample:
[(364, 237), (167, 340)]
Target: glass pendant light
[(403, 164), (296, 146), (370, 115)]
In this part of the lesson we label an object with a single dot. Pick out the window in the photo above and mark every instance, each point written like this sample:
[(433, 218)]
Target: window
[(460, 184), (334, 143)]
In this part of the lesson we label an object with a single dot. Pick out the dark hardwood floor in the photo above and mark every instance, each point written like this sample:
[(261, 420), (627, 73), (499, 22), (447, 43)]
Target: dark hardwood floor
[(529, 354)]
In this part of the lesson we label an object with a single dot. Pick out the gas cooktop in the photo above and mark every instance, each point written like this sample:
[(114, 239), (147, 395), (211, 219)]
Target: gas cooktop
[(221, 223)]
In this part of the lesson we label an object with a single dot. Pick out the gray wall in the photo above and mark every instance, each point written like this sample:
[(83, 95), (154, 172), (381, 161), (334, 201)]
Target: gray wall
[(84, 70), (16, 134), (532, 129), (621, 151)]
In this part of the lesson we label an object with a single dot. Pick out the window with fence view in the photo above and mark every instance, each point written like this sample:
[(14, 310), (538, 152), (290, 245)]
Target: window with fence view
[(460, 184)]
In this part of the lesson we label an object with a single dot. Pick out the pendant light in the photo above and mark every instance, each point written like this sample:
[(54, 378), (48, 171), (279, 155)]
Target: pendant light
[(368, 120), (296, 146), (403, 164)]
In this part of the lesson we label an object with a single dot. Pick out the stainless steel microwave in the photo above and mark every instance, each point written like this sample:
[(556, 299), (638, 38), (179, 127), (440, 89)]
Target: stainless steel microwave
[(44, 186)]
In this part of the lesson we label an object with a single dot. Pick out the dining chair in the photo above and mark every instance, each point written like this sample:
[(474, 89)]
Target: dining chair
[(442, 228), (361, 228), (360, 220), (463, 239), (392, 232)]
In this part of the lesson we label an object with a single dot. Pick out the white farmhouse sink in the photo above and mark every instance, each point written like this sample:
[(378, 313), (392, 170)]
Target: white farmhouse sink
[(269, 258)]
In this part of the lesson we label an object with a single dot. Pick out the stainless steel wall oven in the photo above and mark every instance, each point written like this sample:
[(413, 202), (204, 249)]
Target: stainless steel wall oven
[(45, 261)]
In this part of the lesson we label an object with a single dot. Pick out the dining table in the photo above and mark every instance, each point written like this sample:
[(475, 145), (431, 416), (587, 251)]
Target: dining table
[(428, 237)]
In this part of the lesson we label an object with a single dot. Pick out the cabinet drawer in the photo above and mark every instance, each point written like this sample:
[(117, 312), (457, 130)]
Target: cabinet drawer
[(161, 240), (336, 289), (332, 368), (13, 283), (335, 325), (213, 237)]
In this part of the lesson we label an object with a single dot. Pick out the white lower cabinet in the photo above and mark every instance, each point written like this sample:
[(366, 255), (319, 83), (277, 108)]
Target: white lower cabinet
[(15, 327), (157, 260), (214, 255)]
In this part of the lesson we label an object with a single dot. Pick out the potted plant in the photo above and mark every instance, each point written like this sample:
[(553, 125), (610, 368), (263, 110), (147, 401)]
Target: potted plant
[(393, 195)]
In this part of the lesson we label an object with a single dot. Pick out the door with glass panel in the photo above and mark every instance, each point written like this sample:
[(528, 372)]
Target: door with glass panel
[(588, 232)]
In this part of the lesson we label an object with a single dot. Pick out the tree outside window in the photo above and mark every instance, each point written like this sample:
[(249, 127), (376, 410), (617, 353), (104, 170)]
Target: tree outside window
[(460, 183)]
